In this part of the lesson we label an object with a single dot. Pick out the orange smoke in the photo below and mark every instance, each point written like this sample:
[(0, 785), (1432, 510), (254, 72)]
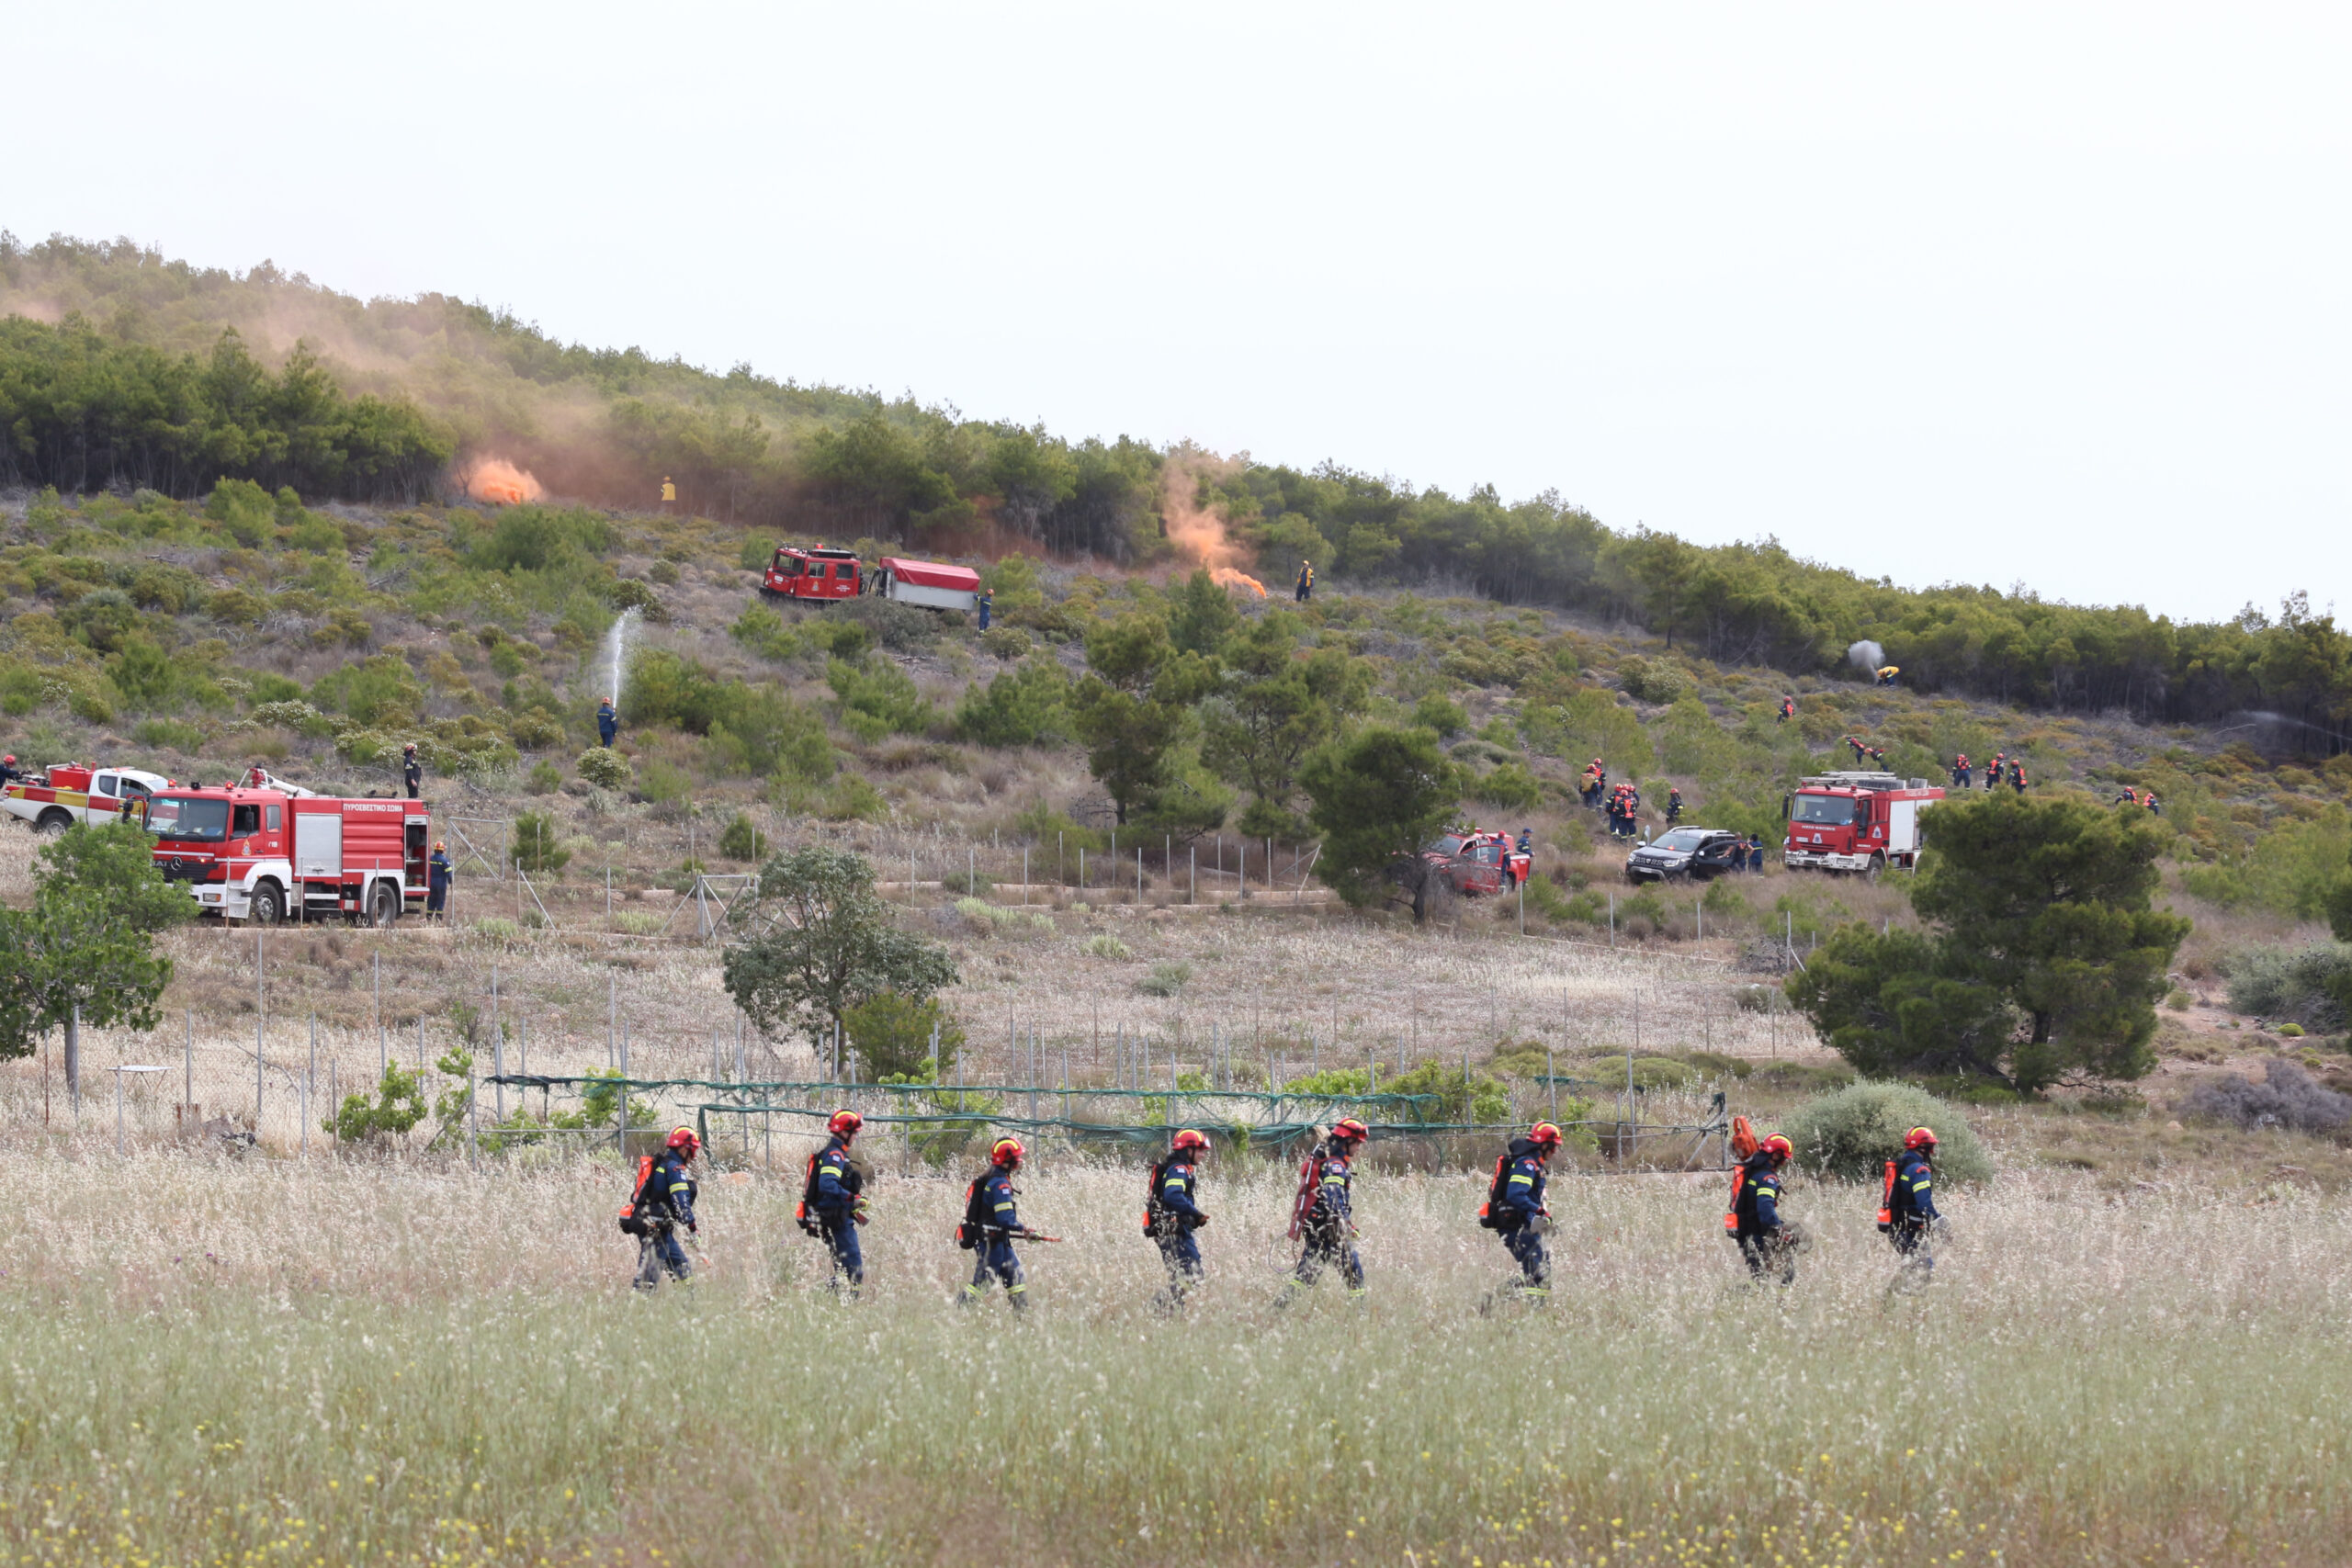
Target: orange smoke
[(1197, 532), (501, 482)]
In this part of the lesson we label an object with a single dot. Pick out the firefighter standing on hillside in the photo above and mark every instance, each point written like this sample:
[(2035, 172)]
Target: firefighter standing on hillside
[(1306, 580), (1907, 1207), (1329, 1226), (608, 723), (832, 1204), (1767, 1242), (1515, 1207), (412, 771), (438, 873), (664, 1200), (1788, 709), (986, 605), (1172, 1213), (1993, 774), (9, 772), (1961, 772), (2017, 777), (1673, 805), (991, 1222), (2153, 807)]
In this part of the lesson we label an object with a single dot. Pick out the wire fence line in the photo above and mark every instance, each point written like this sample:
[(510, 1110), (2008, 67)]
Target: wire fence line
[(520, 1077)]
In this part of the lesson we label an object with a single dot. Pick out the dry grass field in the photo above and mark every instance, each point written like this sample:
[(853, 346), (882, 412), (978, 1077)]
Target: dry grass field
[(216, 1360)]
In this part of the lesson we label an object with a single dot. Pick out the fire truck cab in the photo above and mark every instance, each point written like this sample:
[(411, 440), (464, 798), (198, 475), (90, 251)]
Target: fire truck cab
[(1474, 865), (269, 852), (814, 575), (63, 795), (1862, 822)]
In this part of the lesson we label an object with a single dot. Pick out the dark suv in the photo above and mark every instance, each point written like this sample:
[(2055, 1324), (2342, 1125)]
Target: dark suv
[(1687, 852)]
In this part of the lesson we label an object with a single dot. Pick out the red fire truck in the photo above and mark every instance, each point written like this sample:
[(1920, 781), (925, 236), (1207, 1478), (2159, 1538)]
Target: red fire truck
[(1862, 822), (264, 850), (819, 575)]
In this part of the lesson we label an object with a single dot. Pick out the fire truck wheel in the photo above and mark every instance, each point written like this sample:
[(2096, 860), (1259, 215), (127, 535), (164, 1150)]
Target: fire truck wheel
[(52, 822), (267, 907), (1871, 871), (383, 905)]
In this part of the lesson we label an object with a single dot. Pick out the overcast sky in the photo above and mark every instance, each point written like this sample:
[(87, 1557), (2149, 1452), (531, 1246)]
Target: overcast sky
[(1944, 293)]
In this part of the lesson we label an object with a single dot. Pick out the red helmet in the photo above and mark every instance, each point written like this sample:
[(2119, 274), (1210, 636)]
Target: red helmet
[(1919, 1138), (1351, 1131), (1544, 1135), (1778, 1145), (844, 1123), (683, 1140), (1189, 1139), (1006, 1152)]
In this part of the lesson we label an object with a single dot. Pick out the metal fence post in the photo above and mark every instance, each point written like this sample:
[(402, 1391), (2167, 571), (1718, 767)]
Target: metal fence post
[(497, 1044), (187, 1094)]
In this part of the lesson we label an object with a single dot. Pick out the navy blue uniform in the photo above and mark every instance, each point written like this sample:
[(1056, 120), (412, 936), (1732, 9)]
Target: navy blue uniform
[(665, 1202), (1911, 1204), (1516, 1207), (437, 882), (1757, 1222), (1175, 1215), (608, 723), (835, 1198), (1000, 1220), (986, 604), (412, 774), (1330, 1230)]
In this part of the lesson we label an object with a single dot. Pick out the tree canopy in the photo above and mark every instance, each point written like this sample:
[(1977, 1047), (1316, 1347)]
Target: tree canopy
[(822, 942), (84, 953), (1379, 797), (2043, 959)]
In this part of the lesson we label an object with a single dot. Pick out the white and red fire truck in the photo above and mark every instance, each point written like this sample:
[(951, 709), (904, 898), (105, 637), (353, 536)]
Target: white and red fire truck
[(54, 800), (819, 577), (1862, 822), (264, 850)]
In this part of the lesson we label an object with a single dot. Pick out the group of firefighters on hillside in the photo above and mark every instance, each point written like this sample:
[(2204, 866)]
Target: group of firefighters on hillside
[(833, 1204)]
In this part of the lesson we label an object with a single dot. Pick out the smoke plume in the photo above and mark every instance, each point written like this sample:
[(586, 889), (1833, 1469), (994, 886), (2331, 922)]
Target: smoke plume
[(496, 481), (1866, 657), (1196, 530)]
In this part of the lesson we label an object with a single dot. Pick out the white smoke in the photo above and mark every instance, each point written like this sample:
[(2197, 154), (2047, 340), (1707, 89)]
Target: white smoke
[(1866, 657)]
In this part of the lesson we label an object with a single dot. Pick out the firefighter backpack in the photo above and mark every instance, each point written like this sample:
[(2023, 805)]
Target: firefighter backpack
[(1151, 1199), (1743, 1138), (631, 1224), (970, 1233), (1886, 1200), (1305, 1201), (1490, 1211), (808, 1196)]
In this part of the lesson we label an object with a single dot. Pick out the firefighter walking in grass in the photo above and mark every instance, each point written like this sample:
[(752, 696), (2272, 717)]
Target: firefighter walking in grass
[(1907, 1206), (1324, 1215), (990, 1223), (663, 1201), (832, 1204), (1172, 1213), (1514, 1207), (1768, 1242)]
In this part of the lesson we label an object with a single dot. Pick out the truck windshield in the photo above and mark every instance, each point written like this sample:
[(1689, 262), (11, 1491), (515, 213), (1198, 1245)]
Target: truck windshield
[(204, 822), (1825, 810), (1684, 838), (786, 566)]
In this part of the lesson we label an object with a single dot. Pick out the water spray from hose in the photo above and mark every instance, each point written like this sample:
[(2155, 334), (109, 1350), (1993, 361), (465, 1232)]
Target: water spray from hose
[(1866, 657), (616, 645)]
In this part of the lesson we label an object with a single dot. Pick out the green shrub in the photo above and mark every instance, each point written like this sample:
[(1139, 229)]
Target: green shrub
[(399, 1105), (852, 797), (173, 733), (1440, 716), (971, 882), (1006, 642), (601, 765), (1024, 706), (662, 781), (742, 840), (546, 779), (537, 844), (535, 729), (1851, 1135), (879, 694), (1166, 979), (1511, 787), (1459, 1096), (1660, 680), (2311, 986), (762, 631), (1649, 1072), (892, 1035), (1105, 945)]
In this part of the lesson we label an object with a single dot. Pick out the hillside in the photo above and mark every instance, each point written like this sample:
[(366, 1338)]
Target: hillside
[(122, 369)]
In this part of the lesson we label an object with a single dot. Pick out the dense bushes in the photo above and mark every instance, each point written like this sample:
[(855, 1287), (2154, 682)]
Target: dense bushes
[(1852, 1133), (2309, 986), (2287, 1098)]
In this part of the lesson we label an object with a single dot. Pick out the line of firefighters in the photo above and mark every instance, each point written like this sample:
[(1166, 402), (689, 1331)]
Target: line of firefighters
[(833, 1205)]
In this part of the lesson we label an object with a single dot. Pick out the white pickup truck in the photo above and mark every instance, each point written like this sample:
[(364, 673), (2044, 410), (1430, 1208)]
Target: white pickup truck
[(54, 800)]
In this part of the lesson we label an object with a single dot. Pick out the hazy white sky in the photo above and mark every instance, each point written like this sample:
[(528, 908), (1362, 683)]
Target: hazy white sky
[(1983, 293)]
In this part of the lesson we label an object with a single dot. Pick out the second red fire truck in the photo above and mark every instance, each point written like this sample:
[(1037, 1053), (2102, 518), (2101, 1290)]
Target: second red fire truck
[(265, 850), (1862, 822)]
